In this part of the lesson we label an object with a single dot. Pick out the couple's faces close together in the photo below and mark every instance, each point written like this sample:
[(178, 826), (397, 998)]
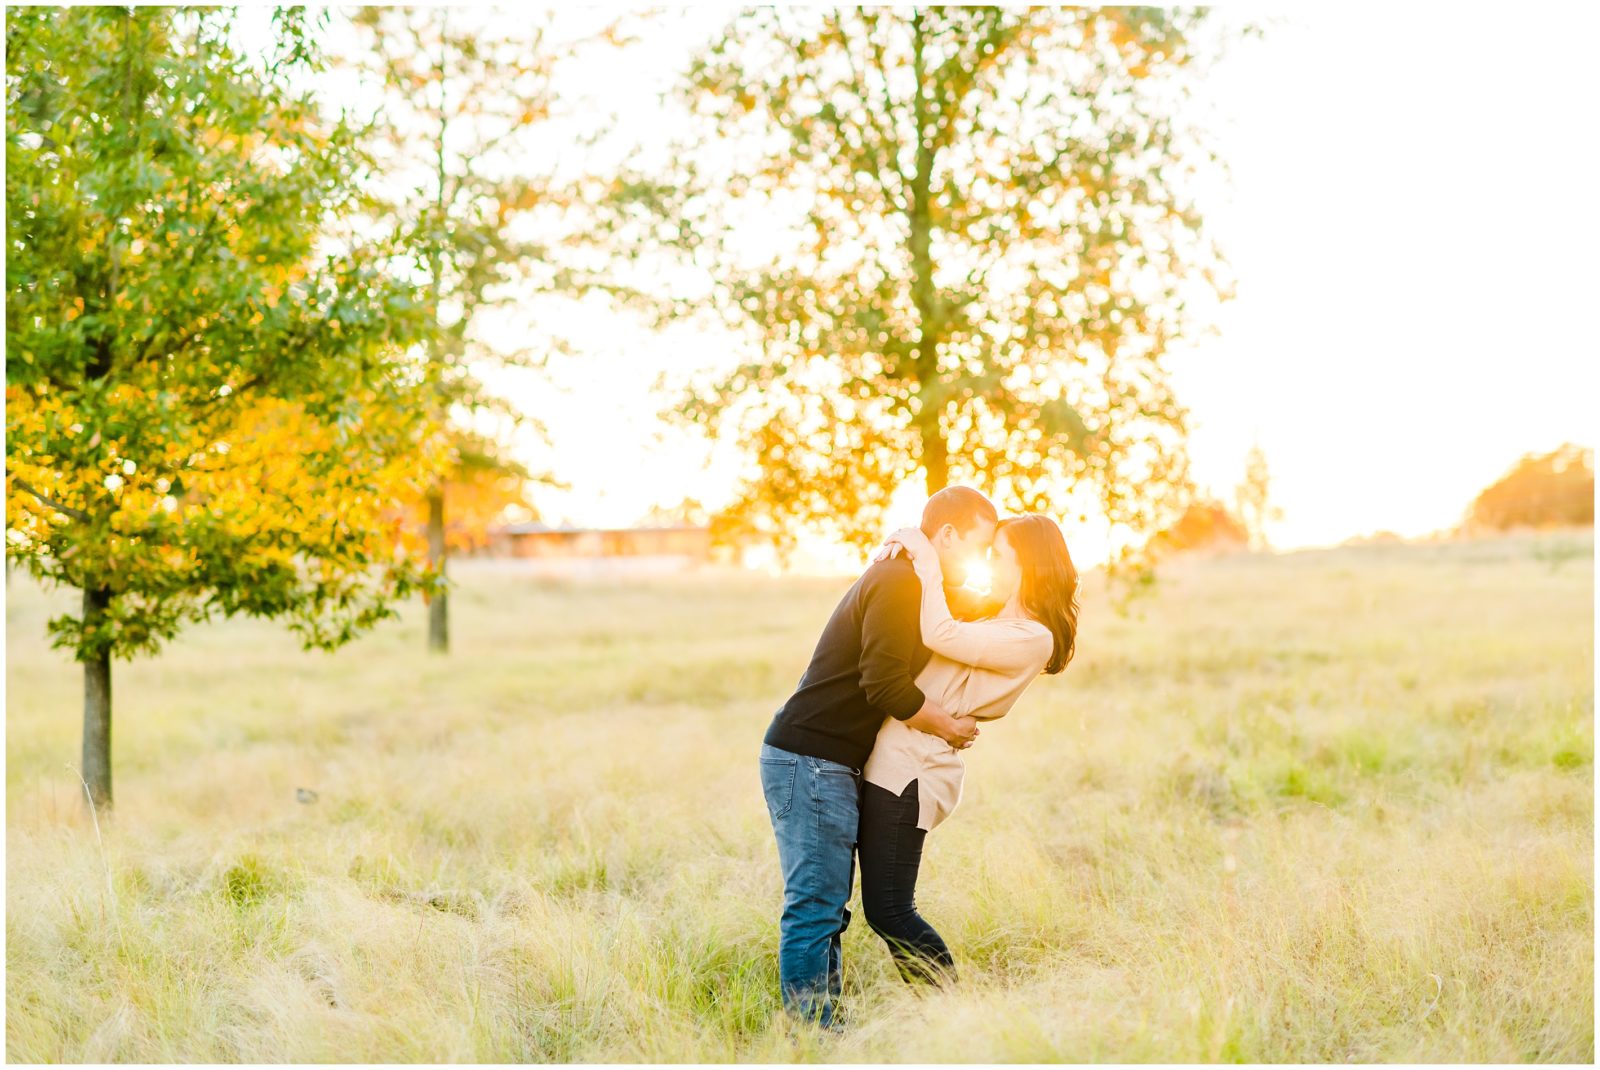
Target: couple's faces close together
[(958, 553)]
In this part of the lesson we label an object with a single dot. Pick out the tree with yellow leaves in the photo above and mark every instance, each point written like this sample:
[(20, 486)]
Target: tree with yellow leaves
[(980, 241), (463, 101), (207, 410), (483, 490), (1541, 490)]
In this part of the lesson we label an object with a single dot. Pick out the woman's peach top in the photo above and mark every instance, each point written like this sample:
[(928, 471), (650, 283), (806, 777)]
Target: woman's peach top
[(977, 668)]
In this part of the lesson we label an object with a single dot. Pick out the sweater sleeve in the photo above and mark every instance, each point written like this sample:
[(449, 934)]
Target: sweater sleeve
[(1002, 644), (888, 639)]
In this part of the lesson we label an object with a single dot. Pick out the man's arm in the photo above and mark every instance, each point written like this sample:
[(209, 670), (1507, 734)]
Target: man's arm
[(932, 719), (888, 635), (889, 608)]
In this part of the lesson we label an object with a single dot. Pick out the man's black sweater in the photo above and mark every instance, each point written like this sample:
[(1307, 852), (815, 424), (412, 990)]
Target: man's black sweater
[(862, 670)]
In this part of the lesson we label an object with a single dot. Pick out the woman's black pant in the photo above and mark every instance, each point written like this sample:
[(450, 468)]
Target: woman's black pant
[(889, 845)]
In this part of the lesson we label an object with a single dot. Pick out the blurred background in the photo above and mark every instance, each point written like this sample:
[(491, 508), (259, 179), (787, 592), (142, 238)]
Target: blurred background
[(1401, 331)]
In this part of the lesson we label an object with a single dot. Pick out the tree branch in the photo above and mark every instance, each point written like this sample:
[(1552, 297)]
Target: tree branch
[(65, 510), (886, 144)]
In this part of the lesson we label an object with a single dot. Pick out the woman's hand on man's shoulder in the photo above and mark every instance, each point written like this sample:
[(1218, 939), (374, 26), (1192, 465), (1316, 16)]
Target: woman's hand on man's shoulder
[(912, 540)]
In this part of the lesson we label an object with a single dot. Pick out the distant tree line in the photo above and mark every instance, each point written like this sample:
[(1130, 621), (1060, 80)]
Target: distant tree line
[(1542, 490)]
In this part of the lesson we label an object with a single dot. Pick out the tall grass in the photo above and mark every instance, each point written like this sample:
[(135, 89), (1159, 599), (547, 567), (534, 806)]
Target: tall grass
[(1327, 806)]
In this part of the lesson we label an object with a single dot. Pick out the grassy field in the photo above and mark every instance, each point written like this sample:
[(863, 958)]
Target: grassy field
[(1327, 806)]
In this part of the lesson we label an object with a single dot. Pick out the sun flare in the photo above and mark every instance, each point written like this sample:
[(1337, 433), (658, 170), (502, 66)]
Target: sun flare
[(979, 577)]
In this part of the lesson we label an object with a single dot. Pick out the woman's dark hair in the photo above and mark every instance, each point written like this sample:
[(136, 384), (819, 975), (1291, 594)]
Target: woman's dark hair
[(1049, 589)]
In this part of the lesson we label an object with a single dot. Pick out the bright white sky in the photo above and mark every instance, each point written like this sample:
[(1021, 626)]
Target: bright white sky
[(1413, 226)]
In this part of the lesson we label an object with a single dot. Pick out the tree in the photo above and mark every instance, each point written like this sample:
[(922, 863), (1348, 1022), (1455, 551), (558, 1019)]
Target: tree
[(205, 408), (459, 106), (1253, 498), (993, 248), (1541, 490), (481, 490), (1205, 524), (688, 512)]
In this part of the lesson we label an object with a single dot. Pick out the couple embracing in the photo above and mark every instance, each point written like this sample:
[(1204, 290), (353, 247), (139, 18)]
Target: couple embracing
[(865, 757)]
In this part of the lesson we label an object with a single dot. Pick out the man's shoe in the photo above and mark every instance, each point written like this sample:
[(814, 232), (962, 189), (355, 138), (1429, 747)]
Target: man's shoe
[(795, 1025)]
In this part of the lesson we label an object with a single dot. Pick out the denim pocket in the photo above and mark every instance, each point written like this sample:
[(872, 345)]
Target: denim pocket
[(827, 765), (777, 784)]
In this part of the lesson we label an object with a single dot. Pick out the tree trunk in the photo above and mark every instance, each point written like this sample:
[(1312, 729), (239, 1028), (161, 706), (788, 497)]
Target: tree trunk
[(438, 605), (935, 451), (935, 457), (97, 701)]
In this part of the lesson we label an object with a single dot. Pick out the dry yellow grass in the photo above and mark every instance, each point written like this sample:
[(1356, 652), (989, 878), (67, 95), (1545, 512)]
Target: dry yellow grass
[(1322, 807)]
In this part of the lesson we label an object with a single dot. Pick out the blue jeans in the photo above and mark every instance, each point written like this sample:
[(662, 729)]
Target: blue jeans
[(815, 807)]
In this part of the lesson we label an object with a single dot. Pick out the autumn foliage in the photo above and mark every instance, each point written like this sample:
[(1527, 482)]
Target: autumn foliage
[(1543, 490), (209, 394), (480, 492), (1206, 524), (990, 247)]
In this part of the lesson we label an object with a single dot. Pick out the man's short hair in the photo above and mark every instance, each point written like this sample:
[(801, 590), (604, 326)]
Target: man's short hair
[(961, 506)]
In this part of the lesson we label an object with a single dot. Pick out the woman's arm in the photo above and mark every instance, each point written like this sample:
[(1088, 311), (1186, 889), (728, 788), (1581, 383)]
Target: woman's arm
[(1002, 645)]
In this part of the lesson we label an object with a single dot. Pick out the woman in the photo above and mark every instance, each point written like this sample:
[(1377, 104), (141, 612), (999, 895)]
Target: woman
[(912, 780)]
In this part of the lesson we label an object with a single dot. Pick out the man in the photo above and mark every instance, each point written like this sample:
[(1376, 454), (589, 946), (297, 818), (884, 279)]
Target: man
[(863, 669)]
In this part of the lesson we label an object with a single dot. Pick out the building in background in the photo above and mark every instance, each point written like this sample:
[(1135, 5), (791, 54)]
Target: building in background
[(570, 549)]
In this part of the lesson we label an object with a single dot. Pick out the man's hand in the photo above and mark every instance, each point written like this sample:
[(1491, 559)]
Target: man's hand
[(959, 732), (963, 732)]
